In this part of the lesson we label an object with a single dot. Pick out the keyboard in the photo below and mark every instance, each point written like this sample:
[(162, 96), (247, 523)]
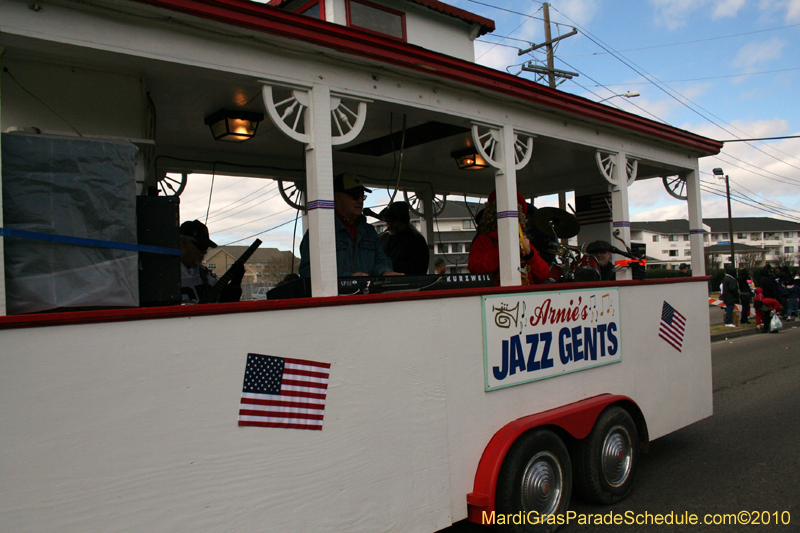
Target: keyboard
[(301, 288)]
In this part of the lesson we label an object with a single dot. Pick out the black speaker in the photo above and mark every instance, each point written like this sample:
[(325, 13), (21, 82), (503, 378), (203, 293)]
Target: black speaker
[(157, 223)]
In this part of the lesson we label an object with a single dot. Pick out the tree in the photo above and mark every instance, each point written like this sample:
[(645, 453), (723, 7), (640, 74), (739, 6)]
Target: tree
[(280, 266), (750, 260), (713, 263), (783, 259)]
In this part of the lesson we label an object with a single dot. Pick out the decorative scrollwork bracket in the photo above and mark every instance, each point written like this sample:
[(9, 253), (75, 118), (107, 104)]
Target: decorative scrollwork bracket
[(348, 114), (606, 163), (486, 138)]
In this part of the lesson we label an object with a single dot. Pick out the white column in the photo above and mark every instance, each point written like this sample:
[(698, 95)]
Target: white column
[(619, 208), (427, 205), (507, 217), (2, 244), (696, 222), (319, 186)]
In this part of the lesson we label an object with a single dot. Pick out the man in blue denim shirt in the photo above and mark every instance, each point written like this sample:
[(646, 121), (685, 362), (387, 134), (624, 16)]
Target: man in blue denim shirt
[(358, 248)]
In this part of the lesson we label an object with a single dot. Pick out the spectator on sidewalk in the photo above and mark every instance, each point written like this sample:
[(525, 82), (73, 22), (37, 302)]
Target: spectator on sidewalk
[(793, 297), (765, 308), (745, 295), (730, 295)]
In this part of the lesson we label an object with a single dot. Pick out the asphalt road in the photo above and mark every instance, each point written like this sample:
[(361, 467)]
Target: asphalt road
[(746, 457)]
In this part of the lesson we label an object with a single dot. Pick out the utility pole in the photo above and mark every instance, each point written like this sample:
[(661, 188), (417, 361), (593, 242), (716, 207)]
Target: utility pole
[(551, 77), (720, 172), (551, 73)]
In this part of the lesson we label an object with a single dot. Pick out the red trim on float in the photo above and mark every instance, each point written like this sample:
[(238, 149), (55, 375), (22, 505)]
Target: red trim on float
[(268, 19), (577, 419), (68, 318)]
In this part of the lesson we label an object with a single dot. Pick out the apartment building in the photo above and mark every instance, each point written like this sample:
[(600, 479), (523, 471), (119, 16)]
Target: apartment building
[(764, 239)]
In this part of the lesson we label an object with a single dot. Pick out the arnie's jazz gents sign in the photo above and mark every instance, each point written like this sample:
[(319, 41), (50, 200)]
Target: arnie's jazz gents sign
[(540, 335)]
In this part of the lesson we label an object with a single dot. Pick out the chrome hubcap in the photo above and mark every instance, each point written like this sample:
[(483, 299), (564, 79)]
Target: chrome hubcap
[(542, 484), (617, 456)]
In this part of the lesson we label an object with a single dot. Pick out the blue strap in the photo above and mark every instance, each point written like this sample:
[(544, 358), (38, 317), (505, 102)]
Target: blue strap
[(22, 234)]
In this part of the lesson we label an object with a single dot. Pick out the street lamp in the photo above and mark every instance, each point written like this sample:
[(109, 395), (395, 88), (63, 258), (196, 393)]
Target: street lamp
[(629, 94), (719, 172)]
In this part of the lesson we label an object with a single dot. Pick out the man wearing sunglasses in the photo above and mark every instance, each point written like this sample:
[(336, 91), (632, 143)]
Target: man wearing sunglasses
[(358, 248)]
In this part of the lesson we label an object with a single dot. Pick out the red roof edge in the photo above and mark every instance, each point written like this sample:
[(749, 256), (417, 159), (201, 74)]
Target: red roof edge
[(268, 19), (487, 25)]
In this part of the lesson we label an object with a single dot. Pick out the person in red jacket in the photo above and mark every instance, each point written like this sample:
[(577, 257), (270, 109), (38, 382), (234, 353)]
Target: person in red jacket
[(764, 308), (484, 254)]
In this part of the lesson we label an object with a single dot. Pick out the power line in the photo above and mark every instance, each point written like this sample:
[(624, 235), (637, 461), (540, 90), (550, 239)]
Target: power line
[(261, 233), (658, 84), (218, 212), (254, 220), (723, 76), (762, 139), (746, 200), (694, 41), (515, 29)]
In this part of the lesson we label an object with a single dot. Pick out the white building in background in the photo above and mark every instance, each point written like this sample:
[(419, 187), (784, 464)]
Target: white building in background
[(667, 241)]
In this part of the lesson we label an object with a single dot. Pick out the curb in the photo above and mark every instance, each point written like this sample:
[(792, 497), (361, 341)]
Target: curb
[(740, 333), (733, 334)]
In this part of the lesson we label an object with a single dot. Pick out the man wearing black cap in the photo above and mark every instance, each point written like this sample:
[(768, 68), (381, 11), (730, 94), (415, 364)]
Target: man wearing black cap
[(601, 250), (196, 278), (358, 248), (402, 242), (683, 271)]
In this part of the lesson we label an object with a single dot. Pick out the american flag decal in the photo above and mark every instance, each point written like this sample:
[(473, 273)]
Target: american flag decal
[(593, 208), (672, 326), (283, 393)]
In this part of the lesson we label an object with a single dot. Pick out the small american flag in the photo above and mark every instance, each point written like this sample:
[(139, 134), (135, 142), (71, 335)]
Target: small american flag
[(283, 393), (671, 327), (593, 208)]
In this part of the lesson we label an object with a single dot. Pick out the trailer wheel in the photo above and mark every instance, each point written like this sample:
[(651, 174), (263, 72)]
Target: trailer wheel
[(535, 480), (606, 460)]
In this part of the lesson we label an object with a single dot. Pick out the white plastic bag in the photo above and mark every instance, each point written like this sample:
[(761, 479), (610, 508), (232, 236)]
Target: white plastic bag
[(775, 324)]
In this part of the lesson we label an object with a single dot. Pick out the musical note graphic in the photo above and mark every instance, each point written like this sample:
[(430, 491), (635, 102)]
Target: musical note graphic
[(593, 308), (606, 304)]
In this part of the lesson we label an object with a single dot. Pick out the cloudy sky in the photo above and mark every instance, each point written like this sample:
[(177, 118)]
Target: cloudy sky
[(725, 69)]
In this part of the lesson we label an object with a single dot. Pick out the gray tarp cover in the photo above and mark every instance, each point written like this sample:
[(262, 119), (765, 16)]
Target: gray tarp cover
[(73, 187)]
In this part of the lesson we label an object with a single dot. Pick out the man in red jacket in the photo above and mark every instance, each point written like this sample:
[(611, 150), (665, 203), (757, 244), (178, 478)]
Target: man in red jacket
[(484, 254)]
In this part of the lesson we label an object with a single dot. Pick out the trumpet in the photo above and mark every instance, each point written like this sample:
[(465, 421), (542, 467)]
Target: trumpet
[(559, 249)]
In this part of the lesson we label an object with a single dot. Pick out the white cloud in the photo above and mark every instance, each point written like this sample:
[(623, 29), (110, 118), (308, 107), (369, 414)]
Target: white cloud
[(780, 9), (727, 8), (659, 105), (756, 53), (582, 12), (240, 208), (793, 11), (768, 173), (673, 13)]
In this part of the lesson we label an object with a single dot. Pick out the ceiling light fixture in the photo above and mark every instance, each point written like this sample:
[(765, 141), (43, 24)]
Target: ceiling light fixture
[(233, 125)]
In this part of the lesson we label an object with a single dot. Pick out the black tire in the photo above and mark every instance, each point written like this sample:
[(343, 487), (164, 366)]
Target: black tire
[(607, 459), (535, 479)]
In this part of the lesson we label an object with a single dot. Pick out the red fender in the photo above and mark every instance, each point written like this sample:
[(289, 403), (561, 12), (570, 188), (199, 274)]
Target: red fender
[(577, 419)]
